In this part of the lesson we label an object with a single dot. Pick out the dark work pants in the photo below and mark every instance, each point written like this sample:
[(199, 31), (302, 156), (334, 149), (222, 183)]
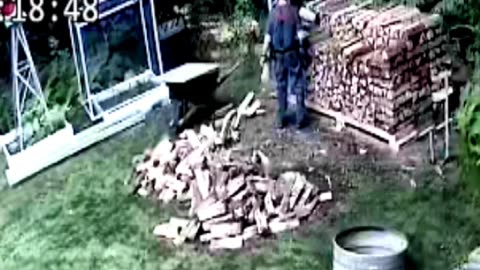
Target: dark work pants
[(288, 74)]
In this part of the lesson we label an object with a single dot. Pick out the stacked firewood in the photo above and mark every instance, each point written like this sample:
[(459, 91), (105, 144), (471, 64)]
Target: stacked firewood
[(325, 9), (378, 66), (230, 200)]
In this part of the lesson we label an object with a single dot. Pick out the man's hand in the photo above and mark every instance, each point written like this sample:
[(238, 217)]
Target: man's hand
[(265, 49), (263, 59)]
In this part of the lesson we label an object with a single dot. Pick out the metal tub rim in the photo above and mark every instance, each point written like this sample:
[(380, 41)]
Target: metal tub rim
[(344, 234)]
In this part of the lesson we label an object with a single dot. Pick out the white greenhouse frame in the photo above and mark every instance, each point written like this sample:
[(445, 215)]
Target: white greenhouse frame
[(65, 142), (155, 66)]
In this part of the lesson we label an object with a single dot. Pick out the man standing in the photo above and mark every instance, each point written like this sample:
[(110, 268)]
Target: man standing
[(284, 43)]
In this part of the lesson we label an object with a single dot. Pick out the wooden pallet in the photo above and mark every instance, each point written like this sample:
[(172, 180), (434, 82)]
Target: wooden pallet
[(394, 141)]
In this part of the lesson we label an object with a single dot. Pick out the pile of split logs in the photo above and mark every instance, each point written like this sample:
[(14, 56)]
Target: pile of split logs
[(378, 66), (230, 200)]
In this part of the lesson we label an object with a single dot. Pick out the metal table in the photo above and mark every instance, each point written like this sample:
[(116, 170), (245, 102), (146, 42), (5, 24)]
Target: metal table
[(191, 83)]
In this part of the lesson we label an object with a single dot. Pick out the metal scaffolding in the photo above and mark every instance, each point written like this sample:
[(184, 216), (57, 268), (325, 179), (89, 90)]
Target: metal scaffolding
[(25, 77)]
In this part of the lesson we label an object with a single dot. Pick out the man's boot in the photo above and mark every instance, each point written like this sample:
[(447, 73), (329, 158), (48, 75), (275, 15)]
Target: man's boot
[(282, 108), (280, 122), (301, 115)]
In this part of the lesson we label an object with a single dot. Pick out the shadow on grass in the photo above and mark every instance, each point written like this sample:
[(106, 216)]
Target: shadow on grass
[(242, 81)]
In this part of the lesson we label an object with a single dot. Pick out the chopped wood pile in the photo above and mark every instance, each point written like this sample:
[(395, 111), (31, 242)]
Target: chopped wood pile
[(378, 65), (230, 200)]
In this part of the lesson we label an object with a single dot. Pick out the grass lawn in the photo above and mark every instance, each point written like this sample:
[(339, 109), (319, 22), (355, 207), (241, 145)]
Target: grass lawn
[(80, 215)]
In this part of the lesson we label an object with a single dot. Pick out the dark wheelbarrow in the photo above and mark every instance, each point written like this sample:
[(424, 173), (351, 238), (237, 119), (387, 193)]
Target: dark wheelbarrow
[(192, 86)]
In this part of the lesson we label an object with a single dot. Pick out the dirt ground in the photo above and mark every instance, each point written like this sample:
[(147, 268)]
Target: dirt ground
[(321, 150)]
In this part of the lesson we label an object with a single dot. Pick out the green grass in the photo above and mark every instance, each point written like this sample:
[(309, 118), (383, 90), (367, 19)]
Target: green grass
[(440, 224), (80, 215)]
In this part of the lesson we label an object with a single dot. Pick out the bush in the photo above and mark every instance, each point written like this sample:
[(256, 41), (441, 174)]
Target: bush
[(6, 113), (469, 125), (244, 9)]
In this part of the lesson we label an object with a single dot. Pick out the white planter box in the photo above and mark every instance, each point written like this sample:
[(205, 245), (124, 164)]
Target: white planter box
[(41, 149), (7, 138), (67, 148), (139, 104)]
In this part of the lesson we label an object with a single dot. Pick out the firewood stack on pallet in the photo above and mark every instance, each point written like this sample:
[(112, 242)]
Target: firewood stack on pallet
[(378, 66), (230, 200), (325, 8)]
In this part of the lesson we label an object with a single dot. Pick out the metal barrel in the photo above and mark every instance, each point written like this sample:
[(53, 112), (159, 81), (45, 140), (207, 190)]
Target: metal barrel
[(369, 248)]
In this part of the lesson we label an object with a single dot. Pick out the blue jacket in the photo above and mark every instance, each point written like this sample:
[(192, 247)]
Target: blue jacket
[(283, 27)]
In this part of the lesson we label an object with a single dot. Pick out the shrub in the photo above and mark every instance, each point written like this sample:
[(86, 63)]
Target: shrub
[(468, 120), (6, 113)]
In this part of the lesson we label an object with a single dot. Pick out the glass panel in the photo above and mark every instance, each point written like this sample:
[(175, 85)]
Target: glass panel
[(78, 61), (115, 49)]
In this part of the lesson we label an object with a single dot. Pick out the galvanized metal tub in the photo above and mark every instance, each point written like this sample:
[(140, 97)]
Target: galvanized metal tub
[(369, 248)]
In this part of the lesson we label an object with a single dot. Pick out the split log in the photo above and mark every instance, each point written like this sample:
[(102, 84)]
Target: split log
[(203, 182), (235, 185), (260, 220), (227, 243), (188, 232), (226, 124), (326, 196), (208, 224), (173, 183), (297, 188), (166, 230), (220, 113), (220, 230), (250, 111), (207, 210), (249, 232), (206, 237), (166, 195), (269, 206), (242, 108), (240, 195), (196, 198), (179, 222), (277, 226), (209, 133), (143, 192), (260, 157)]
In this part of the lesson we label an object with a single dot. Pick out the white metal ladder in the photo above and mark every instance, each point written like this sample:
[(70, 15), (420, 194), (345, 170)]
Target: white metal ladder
[(437, 98)]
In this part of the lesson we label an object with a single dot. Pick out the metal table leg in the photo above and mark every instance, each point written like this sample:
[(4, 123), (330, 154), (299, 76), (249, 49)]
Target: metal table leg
[(447, 118), (179, 109), (175, 113), (431, 145)]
